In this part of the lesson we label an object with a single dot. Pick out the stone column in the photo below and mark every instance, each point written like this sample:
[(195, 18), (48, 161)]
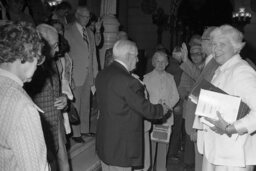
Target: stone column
[(111, 27)]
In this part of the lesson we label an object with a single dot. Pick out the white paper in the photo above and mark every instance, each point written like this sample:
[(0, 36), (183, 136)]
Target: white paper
[(210, 102)]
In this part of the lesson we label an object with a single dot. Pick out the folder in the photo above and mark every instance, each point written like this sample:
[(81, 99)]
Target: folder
[(243, 108)]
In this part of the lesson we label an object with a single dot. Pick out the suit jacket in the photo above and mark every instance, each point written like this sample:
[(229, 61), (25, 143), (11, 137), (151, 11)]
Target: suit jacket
[(207, 74), (84, 56), (44, 89), (122, 105)]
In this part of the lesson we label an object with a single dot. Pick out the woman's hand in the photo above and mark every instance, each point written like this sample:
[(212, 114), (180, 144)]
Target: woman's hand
[(61, 102), (220, 124), (184, 51)]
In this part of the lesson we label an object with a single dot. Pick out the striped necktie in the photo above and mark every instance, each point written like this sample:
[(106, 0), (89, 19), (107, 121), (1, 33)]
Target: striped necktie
[(85, 36)]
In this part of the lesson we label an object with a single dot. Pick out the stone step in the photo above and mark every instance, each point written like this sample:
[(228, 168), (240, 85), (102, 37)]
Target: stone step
[(83, 156)]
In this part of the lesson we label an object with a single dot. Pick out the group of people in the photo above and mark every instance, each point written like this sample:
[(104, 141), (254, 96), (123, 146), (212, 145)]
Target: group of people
[(59, 62), (48, 68), (128, 106)]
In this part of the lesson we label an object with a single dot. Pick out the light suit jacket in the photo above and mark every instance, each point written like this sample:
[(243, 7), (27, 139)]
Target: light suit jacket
[(83, 55)]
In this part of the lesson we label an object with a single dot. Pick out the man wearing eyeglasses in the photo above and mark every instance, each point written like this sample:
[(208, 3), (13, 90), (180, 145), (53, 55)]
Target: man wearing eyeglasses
[(83, 43), (207, 72)]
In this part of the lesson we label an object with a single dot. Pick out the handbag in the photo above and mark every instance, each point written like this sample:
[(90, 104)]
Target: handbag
[(73, 116)]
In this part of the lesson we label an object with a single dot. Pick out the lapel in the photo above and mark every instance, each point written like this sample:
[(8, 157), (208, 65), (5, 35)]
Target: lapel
[(77, 35)]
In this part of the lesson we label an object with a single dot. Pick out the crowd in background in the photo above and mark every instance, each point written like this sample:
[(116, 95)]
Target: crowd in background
[(58, 64)]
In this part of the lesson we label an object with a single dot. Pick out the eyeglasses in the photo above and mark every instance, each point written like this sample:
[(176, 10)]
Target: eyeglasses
[(196, 54), (40, 59), (205, 38), (84, 16), (55, 45)]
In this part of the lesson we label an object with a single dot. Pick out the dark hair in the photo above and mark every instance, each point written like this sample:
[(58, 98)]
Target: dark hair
[(64, 5), (63, 47), (19, 40), (52, 22)]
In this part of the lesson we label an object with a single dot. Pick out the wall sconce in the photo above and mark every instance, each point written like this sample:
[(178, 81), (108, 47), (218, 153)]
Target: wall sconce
[(241, 18)]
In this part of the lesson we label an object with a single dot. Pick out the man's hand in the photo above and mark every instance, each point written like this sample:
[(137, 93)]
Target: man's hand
[(184, 51), (61, 102), (193, 136), (219, 125)]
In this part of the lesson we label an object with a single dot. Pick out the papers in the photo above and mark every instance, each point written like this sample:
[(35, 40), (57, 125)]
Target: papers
[(203, 84), (210, 102), (161, 133)]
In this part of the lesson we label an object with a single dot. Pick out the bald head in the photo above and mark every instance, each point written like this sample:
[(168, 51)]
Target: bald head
[(49, 33)]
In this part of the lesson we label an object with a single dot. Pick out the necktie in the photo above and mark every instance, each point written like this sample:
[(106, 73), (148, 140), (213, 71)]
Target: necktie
[(85, 36)]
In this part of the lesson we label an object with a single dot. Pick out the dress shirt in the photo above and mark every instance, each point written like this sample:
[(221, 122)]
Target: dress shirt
[(80, 28), (237, 78), (22, 144)]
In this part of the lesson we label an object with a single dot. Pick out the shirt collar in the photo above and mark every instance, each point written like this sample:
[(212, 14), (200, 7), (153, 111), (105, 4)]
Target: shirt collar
[(10, 75), (230, 62), (208, 58), (158, 74), (79, 27), (122, 63)]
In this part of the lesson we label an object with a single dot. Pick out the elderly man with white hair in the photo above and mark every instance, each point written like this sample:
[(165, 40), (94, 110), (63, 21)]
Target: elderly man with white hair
[(236, 77), (83, 44), (122, 105)]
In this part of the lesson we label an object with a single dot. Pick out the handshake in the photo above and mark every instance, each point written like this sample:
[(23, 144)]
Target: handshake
[(166, 110)]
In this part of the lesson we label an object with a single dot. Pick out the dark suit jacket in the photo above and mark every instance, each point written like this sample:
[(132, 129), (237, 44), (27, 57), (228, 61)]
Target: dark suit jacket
[(120, 132)]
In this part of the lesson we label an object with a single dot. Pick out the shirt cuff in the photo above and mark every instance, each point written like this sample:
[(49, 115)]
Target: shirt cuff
[(240, 127)]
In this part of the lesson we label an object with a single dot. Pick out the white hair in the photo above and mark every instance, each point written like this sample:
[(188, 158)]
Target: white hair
[(230, 33), (157, 54), (122, 49)]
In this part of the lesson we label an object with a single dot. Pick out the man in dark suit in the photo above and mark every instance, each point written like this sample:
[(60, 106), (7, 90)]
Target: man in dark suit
[(122, 105)]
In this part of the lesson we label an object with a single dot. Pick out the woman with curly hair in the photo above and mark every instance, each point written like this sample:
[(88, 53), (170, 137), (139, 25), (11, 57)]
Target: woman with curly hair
[(22, 144)]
